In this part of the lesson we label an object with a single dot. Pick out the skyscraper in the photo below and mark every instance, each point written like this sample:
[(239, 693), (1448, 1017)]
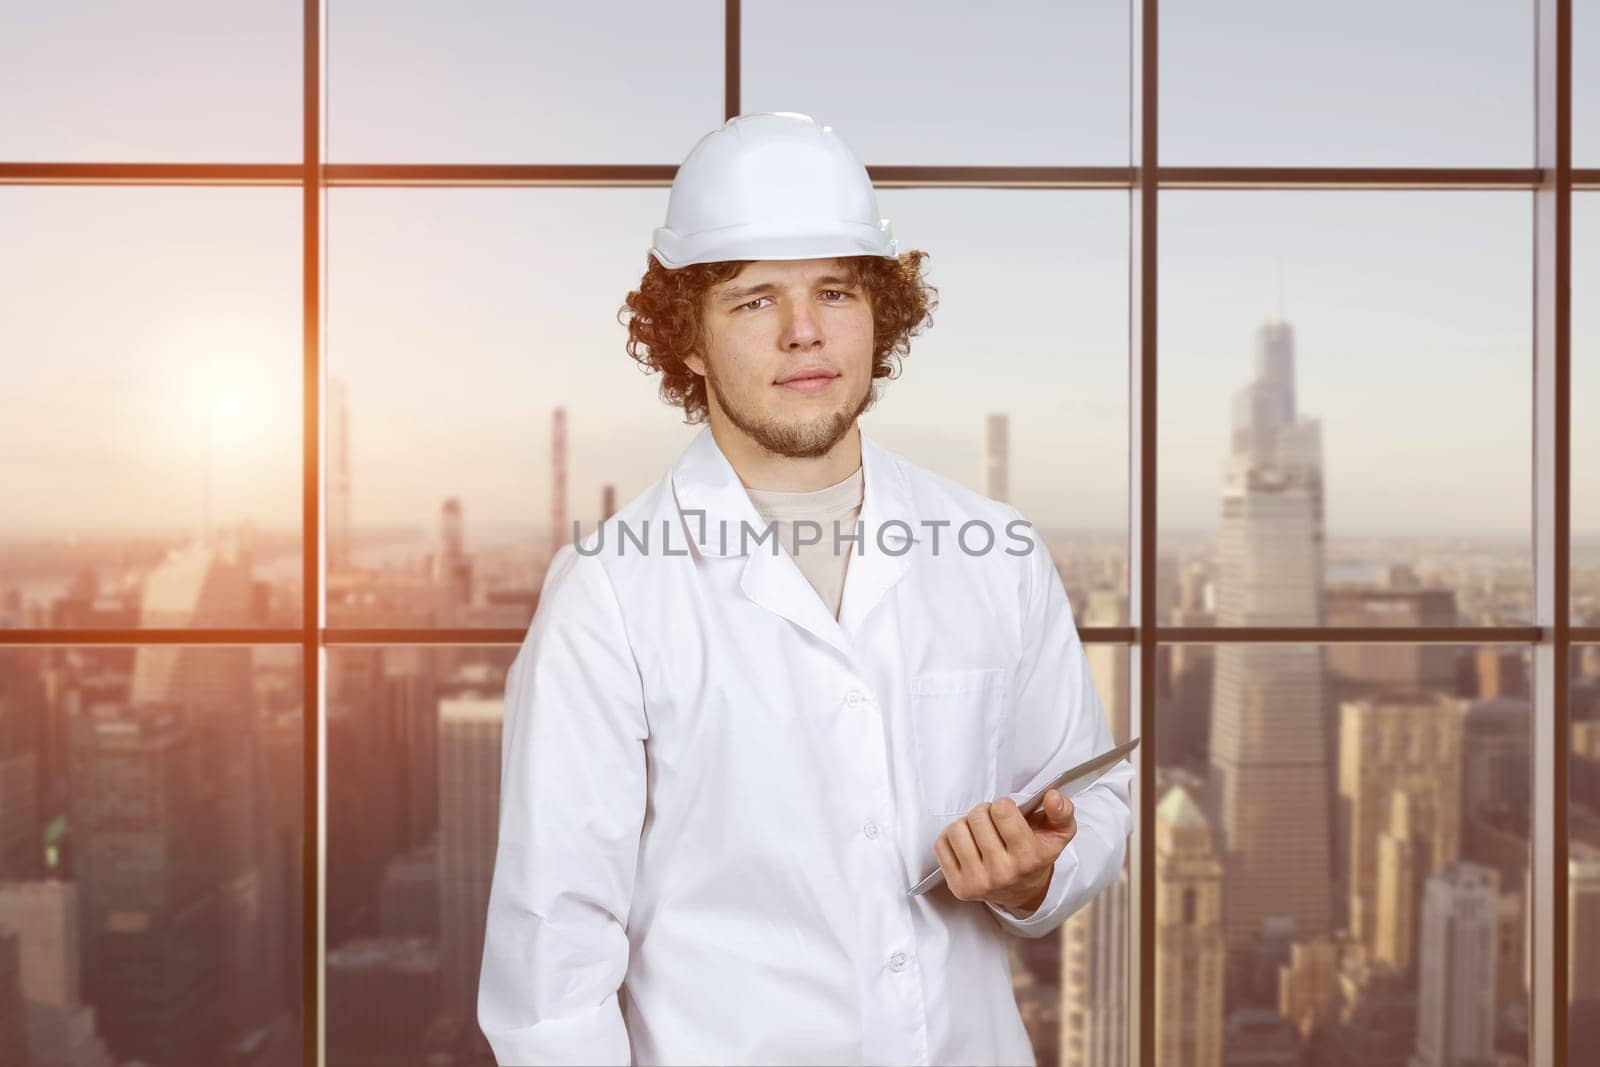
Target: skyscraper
[(21, 845), (1189, 936), (1094, 980), (212, 686), (1583, 923), (1268, 752), (42, 917), (1455, 994), (147, 860), (1183, 714), (1397, 742), (469, 817), (1094, 951), (997, 457), (452, 568), (1308, 984)]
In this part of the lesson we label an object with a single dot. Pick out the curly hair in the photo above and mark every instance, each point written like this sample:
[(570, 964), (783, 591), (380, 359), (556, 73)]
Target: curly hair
[(665, 321)]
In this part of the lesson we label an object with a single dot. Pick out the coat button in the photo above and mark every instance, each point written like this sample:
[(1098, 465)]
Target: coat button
[(897, 962), (870, 829), (854, 697)]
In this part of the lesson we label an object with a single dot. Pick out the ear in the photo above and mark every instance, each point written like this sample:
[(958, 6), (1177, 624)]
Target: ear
[(694, 362)]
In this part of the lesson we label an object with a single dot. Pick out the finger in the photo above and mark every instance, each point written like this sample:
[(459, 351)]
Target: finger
[(1012, 825), (1060, 808), (1067, 818), (947, 857), (966, 850), (957, 874), (1002, 864), (991, 847), (1048, 816)]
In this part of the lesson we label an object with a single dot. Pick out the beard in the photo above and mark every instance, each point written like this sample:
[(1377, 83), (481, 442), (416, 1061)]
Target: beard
[(801, 439)]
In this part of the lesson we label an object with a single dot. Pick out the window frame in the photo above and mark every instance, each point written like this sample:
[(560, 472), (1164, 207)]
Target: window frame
[(1551, 636)]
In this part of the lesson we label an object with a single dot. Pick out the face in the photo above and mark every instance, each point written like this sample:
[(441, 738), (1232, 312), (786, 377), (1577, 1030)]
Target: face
[(788, 354)]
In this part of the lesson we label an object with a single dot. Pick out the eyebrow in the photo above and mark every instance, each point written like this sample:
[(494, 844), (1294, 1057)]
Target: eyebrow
[(769, 287)]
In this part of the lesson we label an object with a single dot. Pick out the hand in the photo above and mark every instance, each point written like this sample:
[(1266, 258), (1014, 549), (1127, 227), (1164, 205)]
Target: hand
[(994, 853)]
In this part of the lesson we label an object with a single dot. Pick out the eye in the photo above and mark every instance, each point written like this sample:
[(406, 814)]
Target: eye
[(757, 300), (840, 292)]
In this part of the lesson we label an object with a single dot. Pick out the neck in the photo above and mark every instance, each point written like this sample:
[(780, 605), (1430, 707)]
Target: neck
[(759, 468)]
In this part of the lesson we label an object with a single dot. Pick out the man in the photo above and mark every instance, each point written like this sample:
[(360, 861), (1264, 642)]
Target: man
[(726, 760)]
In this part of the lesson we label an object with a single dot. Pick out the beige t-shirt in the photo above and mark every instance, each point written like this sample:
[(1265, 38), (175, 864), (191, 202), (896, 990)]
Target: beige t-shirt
[(838, 503)]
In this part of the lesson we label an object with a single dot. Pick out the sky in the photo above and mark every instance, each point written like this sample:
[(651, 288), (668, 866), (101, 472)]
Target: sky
[(147, 326)]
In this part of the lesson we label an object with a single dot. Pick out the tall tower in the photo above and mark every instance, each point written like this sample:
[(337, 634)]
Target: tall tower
[(452, 570), (1189, 936), (1094, 951), (559, 534), (213, 689), (1583, 924), (21, 752), (1268, 753), (338, 475), (1402, 871), (1455, 994), (148, 863), (1094, 980), (469, 825), (42, 917), (997, 457), (1403, 743)]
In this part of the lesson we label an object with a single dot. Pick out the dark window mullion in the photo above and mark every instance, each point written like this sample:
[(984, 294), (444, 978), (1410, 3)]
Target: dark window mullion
[(311, 954)]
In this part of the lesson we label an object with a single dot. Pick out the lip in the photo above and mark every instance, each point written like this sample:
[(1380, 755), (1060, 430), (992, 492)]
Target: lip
[(814, 380)]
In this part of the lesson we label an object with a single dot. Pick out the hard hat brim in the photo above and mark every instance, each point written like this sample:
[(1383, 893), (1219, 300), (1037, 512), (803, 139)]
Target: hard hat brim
[(751, 241)]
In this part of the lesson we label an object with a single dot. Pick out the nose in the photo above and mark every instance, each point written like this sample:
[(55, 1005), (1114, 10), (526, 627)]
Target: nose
[(802, 328)]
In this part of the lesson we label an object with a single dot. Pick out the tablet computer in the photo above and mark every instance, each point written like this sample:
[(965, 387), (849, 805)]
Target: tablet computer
[(1069, 781)]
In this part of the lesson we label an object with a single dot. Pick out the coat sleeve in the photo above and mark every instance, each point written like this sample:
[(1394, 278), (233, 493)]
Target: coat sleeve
[(1058, 721), (572, 804)]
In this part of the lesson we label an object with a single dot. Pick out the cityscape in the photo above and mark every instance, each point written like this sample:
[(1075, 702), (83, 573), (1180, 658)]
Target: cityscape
[(1342, 831)]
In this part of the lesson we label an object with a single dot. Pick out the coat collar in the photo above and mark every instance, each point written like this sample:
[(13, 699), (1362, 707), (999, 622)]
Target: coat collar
[(712, 503)]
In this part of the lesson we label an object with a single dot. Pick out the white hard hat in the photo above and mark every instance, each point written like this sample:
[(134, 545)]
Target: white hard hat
[(771, 185)]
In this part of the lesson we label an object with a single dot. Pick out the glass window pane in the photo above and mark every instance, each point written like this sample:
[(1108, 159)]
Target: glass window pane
[(1585, 578), (1342, 852), (1364, 83), (1356, 449), (151, 448), (165, 81), (452, 347), (1035, 337), (413, 817), (1038, 83), (150, 854), (447, 397), (1583, 871), (416, 81), (1585, 83)]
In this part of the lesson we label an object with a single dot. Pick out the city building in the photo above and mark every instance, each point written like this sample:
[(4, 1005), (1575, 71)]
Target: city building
[(1456, 980), (1268, 744), (1190, 941)]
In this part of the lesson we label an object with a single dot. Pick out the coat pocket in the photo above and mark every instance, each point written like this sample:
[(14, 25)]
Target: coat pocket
[(955, 737)]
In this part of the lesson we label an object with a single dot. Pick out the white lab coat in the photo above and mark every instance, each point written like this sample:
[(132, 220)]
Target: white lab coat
[(716, 795)]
